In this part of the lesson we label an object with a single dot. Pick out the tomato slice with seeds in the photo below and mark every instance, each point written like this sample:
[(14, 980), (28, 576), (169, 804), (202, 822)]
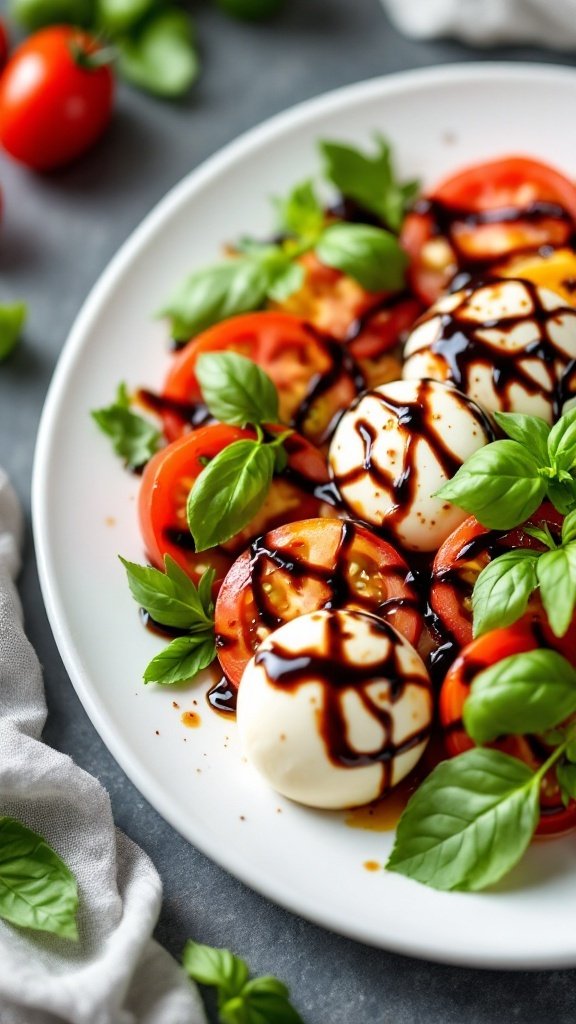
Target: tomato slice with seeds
[(483, 213), (170, 474), (306, 566), (555, 818)]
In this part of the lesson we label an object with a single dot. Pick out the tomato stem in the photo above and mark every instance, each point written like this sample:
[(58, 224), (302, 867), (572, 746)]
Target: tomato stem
[(91, 59)]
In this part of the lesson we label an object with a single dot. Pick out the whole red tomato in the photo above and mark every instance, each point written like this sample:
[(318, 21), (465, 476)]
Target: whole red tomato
[(55, 98)]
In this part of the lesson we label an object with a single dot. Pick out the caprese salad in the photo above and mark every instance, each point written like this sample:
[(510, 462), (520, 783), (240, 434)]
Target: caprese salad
[(358, 500)]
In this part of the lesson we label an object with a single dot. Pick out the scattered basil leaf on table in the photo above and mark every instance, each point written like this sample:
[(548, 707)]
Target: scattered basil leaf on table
[(262, 1000), (134, 438), (370, 255), (37, 890), (12, 319), (503, 589), (161, 58), (369, 180), (235, 390)]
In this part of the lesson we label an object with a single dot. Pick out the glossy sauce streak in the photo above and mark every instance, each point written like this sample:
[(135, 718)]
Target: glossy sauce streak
[(334, 672), (222, 697)]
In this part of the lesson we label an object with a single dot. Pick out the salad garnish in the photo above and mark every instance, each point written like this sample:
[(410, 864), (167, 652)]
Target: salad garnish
[(369, 180), (134, 438)]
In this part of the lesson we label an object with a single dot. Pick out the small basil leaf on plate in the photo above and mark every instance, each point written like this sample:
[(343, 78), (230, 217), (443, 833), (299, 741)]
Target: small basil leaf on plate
[(531, 431), (161, 58), (181, 660), (502, 590), (301, 213), (229, 492), (37, 890), (213, 294), (218, 968), (500, 484), (236, 390), (556, 572), (170, 597), (372, 256), (133, 438), (524, 693), (12, 319), (369, 180), (468, 823)]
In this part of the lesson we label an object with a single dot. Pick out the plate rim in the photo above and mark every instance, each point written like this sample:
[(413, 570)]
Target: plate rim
[(296, 116)]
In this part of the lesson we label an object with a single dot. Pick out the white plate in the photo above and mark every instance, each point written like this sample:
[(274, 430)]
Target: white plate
[(84, 514)]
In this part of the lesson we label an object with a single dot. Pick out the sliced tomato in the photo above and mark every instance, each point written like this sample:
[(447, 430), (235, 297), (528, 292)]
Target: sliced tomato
[(305, 566), (168, 479), (483, 213), (315, 376), (459, 562), (373, 339), (487, 650)]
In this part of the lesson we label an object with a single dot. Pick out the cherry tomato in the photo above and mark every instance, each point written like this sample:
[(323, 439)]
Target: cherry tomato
[(550, 268), (487, 650), (459, 562), (170, 474), (314, 375), (302, 567), (483, 213), (54, 104)]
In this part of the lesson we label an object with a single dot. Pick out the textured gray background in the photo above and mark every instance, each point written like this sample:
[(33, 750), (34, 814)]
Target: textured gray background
[(58, 233)]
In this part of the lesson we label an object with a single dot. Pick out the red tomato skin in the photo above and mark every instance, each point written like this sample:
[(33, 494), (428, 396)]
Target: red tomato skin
[(51, 109), (4, 45)]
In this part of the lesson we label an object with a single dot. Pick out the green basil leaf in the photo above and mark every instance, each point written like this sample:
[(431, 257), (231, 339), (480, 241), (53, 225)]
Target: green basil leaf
[(264, 1000), (161, 58), (205, 586), (569, 528), (170, 597), (566, 775), (562, 442), (236, 390), (117, 16), (562, 494), (218, 968), (371, 256), (229, 492), (301, 213), (531, 431), (499, 484), (369, 180), (134, 438), (557, 578), (12, 320), (182, 659), (37, 890), (502, 590), (525, 693), (543, 534), (468, 823), (288, 281), (35, 14)]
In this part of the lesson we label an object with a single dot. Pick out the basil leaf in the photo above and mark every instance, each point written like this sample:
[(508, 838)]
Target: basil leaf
[(369, 180), (118, 16), (531, 431), (12, 319), (35, 14), (301, 213), (525, 693), (562, 442), (499, 484), (502, 590), (468, 823), (288, 281), (218, 968), (134, 438), (181, 660), (169, 597), (162, 57), (562, 494), (543, 534), (261, 1001), (205, 592), (557, 579), (229, 492), (569, 528), (566, 775), (236, 390), (371, 256), (37, 890)]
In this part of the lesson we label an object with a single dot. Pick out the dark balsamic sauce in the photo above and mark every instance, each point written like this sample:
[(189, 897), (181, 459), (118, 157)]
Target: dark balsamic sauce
[(222, 697), (337, 675)]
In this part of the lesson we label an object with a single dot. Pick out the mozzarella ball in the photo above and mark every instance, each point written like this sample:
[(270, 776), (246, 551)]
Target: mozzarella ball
[(508, 345), (334, 709), (396, 447)]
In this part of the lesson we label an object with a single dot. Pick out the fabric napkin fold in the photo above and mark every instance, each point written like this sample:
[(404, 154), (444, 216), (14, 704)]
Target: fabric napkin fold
[(115, 974), (488, 22)]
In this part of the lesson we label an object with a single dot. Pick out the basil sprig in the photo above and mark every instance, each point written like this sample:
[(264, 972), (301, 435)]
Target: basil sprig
[(240, 1000), (12, 320), (370, 255), (503, 483), (172, 599), (233, 486), (472, 819), (504, 587), (133, 438), (37, 890)]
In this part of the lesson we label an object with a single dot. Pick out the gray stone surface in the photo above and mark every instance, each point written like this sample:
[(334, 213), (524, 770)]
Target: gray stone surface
[(58, 233)]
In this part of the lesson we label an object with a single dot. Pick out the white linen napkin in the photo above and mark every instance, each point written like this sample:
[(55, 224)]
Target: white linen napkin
[(549, 23), (115, 974)]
